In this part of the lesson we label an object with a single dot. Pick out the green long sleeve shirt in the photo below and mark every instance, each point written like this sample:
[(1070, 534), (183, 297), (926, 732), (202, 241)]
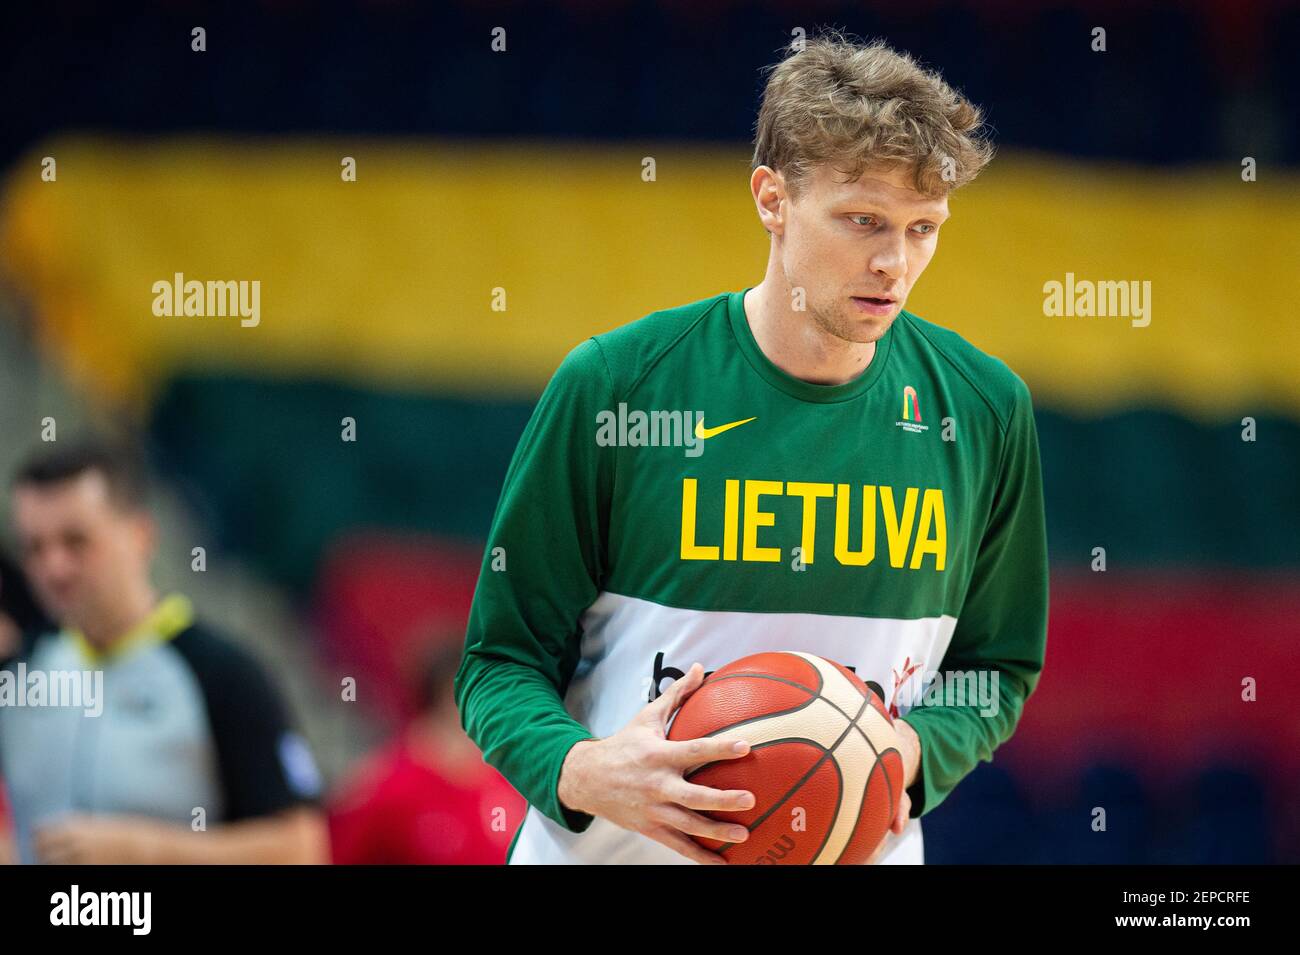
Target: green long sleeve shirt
[(677, 497)]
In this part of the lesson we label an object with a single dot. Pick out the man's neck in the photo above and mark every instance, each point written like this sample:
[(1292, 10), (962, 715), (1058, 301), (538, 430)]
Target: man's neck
[(795, 343), (120, 619)]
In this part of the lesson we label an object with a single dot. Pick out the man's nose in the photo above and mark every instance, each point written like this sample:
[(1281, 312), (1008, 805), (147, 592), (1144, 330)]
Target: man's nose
[(889, 259), (54, 564)]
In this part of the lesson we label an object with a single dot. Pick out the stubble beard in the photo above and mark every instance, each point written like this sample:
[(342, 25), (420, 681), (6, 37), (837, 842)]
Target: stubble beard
[(839, 323)]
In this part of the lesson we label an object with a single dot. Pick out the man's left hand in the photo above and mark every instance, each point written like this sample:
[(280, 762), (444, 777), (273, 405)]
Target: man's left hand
[(910, 749)]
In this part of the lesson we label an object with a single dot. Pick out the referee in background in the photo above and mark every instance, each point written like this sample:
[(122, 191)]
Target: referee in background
[(191, 757)]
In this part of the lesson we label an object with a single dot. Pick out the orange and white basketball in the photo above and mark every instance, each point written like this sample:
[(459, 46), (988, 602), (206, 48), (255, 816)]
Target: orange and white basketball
[(824, 763)]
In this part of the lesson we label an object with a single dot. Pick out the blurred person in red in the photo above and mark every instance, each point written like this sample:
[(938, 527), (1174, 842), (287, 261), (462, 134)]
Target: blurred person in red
[(427, 798)]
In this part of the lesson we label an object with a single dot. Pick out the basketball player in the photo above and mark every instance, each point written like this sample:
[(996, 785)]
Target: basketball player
[(802, 465)]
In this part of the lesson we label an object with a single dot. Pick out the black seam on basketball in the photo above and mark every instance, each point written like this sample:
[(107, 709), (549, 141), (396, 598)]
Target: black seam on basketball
[(777, 679), (853, 724), (839, 799), (879, 754), (866, 790), (820, 687), (754, 719), (818, 695), (839, 792), (772, 742), (816, 669), (813, 695), (826, 754), (817, 672), (792, 739), (866, 702), (880, 758), (763, 676), (854, 720), (844, 714)]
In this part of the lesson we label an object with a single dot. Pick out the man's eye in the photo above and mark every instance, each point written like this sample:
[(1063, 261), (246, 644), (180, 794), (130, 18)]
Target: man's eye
[(928, 227), (863, 220)]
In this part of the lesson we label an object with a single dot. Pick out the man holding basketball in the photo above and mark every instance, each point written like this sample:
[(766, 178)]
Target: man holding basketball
[(857, 483)]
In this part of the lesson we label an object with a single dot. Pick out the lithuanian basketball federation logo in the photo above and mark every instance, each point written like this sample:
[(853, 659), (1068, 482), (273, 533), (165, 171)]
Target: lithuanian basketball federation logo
[(911, 412)]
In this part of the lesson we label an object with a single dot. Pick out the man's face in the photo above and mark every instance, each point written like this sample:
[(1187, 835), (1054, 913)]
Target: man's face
[(80, 550), (858, 248)]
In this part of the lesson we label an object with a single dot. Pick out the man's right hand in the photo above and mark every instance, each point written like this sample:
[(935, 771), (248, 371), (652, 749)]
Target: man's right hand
[(635, 778)]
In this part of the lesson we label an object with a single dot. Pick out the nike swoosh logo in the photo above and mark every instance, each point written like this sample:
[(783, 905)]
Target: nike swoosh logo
[(703, 433)]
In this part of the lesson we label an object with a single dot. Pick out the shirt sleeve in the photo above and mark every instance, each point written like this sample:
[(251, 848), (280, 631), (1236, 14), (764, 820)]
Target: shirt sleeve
[(541, 570), (1002, 625), (265, 766)]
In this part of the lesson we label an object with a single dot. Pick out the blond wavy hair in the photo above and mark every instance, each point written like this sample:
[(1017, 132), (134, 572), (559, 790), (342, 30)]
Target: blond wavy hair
[(856, 105)]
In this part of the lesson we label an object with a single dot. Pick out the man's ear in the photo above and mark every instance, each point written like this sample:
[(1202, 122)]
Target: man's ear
[(768, 189)]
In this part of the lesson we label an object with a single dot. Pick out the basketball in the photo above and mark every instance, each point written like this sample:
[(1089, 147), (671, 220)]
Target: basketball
[(824, 763)]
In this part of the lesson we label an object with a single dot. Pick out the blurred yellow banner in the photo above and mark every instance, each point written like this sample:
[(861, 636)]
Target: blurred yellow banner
[(473, 267)]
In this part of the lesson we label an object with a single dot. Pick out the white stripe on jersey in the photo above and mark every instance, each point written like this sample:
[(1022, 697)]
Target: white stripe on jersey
[(623, 637)]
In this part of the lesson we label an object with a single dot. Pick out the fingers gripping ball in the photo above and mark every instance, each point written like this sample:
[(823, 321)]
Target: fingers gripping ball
[(824, 763)]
